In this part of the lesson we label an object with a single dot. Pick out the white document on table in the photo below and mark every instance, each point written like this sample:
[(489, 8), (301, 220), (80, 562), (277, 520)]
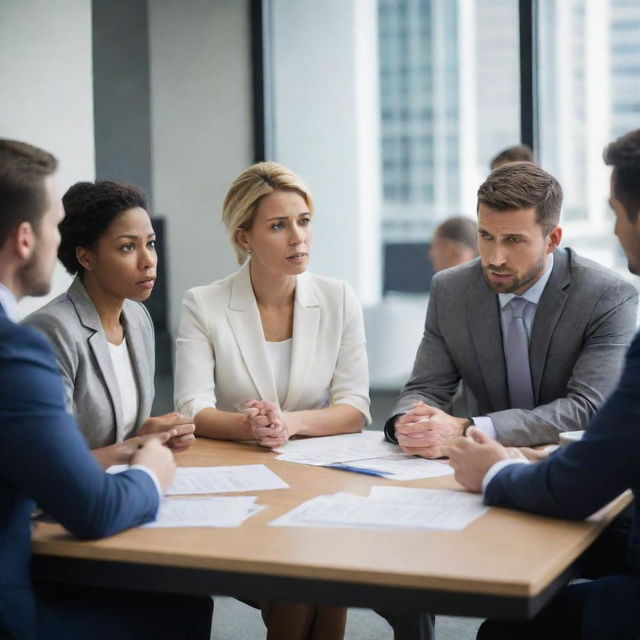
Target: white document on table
[(400, 466), (198, 480), (249, 477), (321, 451), (205, 512), (442, 512), (413, 495)]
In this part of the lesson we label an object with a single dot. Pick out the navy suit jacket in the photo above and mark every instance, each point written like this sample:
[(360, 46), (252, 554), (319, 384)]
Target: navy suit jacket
[(44, 460), (579, 479)]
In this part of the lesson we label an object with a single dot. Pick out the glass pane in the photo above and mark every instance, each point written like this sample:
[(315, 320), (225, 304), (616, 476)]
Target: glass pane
[(589, 92), (449, 93)]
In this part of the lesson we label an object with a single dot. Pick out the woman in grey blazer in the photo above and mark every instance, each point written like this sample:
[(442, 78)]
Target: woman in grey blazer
[(101, 333)]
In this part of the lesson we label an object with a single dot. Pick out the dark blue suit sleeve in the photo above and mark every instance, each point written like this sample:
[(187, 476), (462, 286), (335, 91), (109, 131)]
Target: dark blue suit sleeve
[(44, 455), (581, 478)]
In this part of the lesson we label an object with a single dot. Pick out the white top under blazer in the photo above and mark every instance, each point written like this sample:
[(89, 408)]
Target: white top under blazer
[(221, 353)]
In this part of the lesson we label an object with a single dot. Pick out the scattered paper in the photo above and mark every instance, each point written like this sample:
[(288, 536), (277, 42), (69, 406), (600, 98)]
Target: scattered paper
[(321, 451), (398, 466), (438, 497), (205, 512), (250, 477), (365, 452), (443, 510), (198, 480)]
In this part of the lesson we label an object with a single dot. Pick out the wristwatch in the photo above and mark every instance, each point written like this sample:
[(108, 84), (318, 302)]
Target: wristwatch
[(470, 423)]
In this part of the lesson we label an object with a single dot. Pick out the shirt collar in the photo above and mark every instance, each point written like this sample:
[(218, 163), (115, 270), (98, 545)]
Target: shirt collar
[(9, 303), (534, 292)]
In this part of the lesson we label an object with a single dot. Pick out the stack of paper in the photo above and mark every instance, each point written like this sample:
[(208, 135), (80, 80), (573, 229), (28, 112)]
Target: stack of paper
[(197, 480), (205, 512), (212, 512), (332, 449), (365, 452), (248, 477), (388, 508)]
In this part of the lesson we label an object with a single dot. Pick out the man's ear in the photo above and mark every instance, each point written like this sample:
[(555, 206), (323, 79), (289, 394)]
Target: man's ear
[(85, 258), (24, 240), (554, 237)]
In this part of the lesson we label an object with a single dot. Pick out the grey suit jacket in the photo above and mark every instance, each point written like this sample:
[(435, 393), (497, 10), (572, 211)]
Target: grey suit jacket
[(583, 325), (72, 325)]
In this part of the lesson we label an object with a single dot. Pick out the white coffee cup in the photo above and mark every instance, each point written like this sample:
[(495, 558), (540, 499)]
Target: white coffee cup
[(567, 437)]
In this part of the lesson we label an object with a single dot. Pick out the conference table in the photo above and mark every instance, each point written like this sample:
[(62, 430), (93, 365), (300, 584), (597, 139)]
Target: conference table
[(505, 564)]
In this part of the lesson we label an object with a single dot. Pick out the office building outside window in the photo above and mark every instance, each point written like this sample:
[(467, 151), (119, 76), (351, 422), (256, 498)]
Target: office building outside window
[(589, 93), (450, 100), (449, 93)]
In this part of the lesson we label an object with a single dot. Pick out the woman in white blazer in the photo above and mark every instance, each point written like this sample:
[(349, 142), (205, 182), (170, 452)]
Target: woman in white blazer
[(272, 351), (101, 333)]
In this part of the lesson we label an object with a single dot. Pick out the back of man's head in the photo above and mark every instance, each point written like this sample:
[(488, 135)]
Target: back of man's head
[(459, 229), (517, 153), (23, 197), (454, 241), (624, 156), (523, 185)]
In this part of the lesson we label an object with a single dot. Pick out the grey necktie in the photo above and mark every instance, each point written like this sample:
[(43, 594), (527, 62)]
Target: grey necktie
[(517, 357)]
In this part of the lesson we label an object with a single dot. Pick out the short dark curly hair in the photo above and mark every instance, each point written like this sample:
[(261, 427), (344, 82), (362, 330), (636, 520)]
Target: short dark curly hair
[(624, 156), (90, 208)]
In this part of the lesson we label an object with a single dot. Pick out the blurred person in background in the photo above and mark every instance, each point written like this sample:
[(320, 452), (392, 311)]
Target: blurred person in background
[(454, 241), (517, 153)]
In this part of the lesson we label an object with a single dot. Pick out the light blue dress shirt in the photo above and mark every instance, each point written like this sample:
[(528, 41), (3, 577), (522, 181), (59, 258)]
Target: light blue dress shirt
[(532, 295), (9, 303)]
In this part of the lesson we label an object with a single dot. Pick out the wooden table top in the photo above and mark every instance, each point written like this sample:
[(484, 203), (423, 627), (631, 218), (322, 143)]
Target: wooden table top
[(502, 553)]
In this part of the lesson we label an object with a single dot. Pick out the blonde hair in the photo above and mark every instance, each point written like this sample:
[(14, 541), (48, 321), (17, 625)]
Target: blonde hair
[(246, 192)]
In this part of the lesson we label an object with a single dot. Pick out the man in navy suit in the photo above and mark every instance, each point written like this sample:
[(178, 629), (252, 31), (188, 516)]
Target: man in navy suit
[(579, 479), (44, 459)]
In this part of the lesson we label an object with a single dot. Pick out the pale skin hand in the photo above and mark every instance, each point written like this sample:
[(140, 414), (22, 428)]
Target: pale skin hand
[(424, 430), (157, 458), (121, 452), (533, 455), (171, 429), (182, 431), (269, 425), (472, 456)]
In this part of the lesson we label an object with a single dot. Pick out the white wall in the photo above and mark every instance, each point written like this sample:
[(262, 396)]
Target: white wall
[(326, 125), (201, 126), (47, 92)]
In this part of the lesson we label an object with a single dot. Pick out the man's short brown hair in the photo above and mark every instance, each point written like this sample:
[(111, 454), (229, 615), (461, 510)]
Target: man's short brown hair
[(624, 156), (23, 197), (521, 185)]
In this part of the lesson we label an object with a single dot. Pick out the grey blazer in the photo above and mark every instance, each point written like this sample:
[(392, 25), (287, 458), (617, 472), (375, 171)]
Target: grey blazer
[(72, 325), (584, 323)]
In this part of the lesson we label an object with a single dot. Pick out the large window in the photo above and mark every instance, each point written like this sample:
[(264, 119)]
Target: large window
[(589, 93), (450, 100), (449, 95)]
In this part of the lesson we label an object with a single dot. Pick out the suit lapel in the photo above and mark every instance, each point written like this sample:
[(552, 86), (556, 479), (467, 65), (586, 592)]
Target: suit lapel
[(140, 363), (486, 332), (306, 322), (98, 342), (246, 325), (550, 308)]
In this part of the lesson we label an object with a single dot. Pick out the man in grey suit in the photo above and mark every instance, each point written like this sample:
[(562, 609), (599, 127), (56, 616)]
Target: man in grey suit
[(536, 333)]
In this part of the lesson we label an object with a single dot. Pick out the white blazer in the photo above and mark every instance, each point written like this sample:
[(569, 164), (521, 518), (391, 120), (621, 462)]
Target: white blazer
[(221, 355)]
